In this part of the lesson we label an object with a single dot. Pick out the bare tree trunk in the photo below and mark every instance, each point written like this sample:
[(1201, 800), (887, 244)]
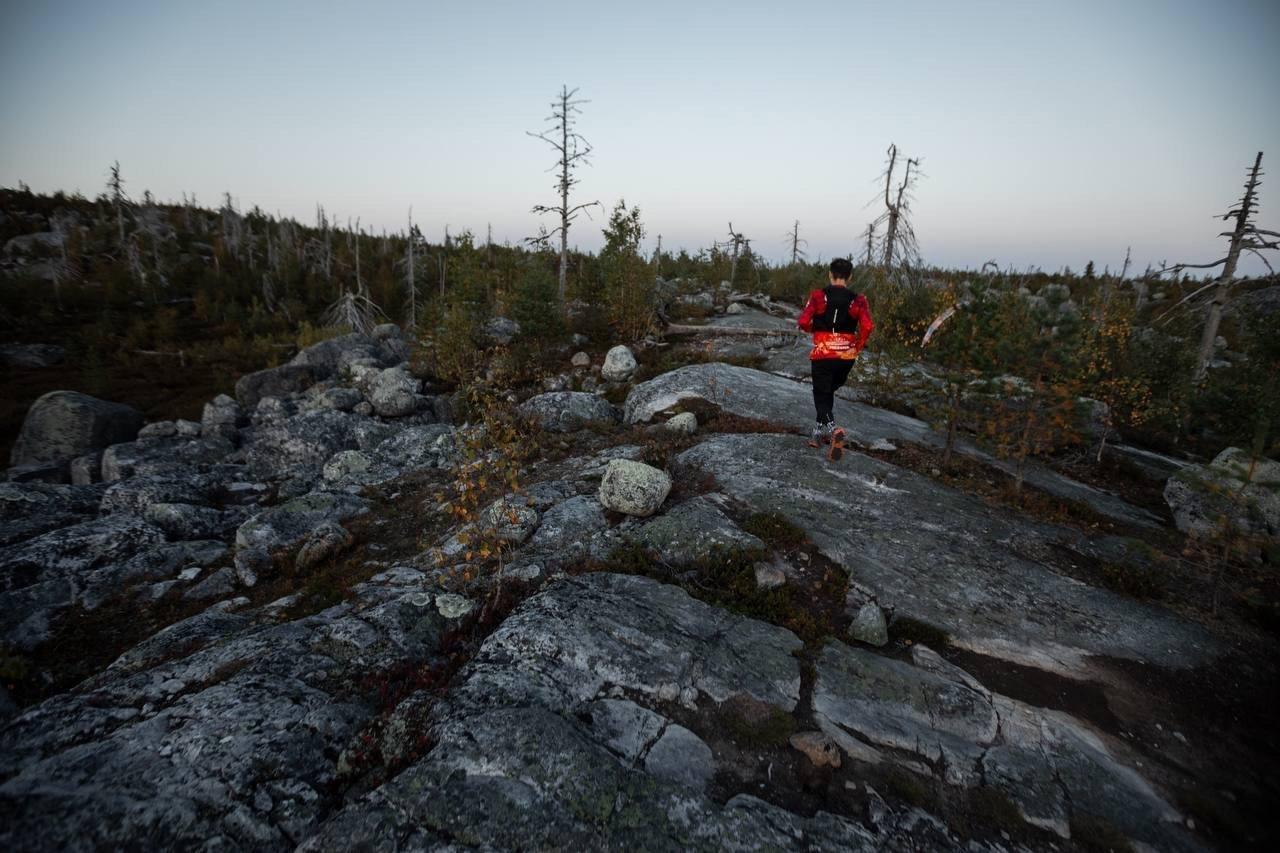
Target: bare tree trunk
[(564, 195), (413, 283), (1222, 287)]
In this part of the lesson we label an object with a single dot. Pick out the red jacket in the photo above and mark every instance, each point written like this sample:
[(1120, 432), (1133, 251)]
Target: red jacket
[(844, 345)]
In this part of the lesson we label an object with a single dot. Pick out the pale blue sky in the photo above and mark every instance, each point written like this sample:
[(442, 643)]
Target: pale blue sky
[(1051, 133)]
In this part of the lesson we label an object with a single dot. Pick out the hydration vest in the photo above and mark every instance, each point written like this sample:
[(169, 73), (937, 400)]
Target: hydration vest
[(838, 316)]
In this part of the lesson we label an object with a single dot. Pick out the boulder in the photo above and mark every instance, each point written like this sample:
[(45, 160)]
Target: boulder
[(566, 411), (619, 364), (340, 398), (277, 382), (693, 530), (580, 360), (1233, 490), (734, 308), (222, 416), (633, 488), (293, 521), (330, 357), (300, 445), (499, 331), (393, 392), (566, 527), (62, 425), (162, 457)]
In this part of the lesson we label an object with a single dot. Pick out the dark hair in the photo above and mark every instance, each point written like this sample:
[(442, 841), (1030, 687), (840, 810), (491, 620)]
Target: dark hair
[(841, 268)]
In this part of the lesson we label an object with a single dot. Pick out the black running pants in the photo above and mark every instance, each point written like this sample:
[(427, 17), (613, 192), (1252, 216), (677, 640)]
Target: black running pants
[(828, 375)]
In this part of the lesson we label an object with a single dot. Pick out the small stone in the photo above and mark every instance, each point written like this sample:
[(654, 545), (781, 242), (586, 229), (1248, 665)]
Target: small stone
[(619, 364), (734, 308), (685, 423), (633, 488), (580, 359), (769, 576), (868, 626), (883, 445), (454, 606), (817, 747)]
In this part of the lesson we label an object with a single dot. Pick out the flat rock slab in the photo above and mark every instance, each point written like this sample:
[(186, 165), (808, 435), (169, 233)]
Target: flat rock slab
[(932, 553), (756, 394)]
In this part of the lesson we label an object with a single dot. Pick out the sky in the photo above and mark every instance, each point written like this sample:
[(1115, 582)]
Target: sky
[(1050, 133)]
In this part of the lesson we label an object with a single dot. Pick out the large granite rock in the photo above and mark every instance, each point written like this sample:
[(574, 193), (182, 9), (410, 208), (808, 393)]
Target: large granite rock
[(334, 355), (277, 382), (565, 411), (300, 445), (169, 458), (62, 425)]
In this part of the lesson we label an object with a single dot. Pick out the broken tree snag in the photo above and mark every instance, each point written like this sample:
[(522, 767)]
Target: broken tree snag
[(1244, 237), (572, 149), (899, 245)]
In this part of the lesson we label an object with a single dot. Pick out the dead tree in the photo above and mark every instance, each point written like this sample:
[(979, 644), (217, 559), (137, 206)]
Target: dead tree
[(572, 150), (899, 238), (657, 258), (410, 279), (735, 243), (1244, 237), (794, 236), (118, 199)]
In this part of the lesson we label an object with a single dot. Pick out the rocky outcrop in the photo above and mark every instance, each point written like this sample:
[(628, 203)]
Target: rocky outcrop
[(41, 577), (943, 557), (565, 411), (62, 425), (1050, 767), (219, 732)]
